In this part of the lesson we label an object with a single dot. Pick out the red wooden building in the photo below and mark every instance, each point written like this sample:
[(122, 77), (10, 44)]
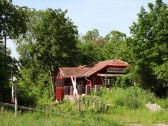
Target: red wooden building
[(85, 77)]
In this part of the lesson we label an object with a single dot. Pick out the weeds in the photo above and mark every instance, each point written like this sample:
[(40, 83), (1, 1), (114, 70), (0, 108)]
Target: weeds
[(94, 103), (127, 106)]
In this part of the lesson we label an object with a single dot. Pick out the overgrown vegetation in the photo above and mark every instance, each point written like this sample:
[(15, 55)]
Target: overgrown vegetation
[(120, 107)]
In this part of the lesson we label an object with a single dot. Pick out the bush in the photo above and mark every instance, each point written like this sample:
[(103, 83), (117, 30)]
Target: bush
[(123, 81), (132, 97)]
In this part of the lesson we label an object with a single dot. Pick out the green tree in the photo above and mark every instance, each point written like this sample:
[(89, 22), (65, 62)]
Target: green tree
[(90, 52), (12, 24), (93, 36), (116, 45), (12, 19), (150, 46), (56, 40), (33, 85), (91, 47), (51, 42)]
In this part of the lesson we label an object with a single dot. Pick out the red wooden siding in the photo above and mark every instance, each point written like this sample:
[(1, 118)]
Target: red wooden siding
[(87, 76)]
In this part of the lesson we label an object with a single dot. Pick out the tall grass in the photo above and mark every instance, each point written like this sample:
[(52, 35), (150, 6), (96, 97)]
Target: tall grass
[(126, 106), (132, 98), (129, 105), (40, 119), (31, 119)]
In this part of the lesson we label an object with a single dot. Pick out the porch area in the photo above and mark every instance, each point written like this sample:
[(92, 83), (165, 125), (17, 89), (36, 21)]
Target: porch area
[(67, 92)]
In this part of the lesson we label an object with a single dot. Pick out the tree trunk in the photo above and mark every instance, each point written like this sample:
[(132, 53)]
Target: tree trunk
[(52, 83), (5, 45)]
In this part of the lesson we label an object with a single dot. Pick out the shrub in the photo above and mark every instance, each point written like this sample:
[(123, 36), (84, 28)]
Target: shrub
[(123, 81), (132, 97)]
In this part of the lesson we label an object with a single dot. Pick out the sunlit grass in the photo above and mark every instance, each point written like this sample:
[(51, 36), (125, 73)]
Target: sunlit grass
[(126, 106)]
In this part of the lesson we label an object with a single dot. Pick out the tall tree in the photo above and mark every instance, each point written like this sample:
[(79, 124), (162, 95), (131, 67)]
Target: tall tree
[(150, 46), (116, 45), (93, 36), (55, 40), (91, 47), (12, 24), (90, 52), (51, 42), (12, 19)]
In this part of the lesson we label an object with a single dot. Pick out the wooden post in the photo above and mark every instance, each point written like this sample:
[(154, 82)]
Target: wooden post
[(79, 104), (52, 82), (105, 82), (15, 101), (13, 90), (15, 96), (2, 108), (5, 45)]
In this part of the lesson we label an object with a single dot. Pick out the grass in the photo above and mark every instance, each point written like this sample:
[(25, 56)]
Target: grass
[(37, 119), (141, 116), (126, 106)]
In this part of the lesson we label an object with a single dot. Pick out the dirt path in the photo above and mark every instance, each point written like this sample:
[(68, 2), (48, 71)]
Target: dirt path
[(152, 125)]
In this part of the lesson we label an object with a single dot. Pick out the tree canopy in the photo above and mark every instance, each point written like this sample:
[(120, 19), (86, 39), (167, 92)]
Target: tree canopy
[(12, 23), (51, 42), (150, 45), (12, 19)]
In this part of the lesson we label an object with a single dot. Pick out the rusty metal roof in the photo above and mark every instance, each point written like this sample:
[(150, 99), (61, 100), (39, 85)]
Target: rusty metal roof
[(88, 70)]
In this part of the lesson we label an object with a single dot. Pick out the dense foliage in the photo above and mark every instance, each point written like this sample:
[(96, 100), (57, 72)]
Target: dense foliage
[(12, 24), (150, 47), (50, 42)]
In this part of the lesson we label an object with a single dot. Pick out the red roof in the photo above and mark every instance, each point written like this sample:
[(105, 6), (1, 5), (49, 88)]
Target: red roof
[(116, 62), (87, 70)]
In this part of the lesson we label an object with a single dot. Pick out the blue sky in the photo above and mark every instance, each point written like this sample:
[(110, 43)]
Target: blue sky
[(104, 15)]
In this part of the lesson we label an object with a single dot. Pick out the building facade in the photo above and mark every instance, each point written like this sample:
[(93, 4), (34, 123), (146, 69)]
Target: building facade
[(80, 80)]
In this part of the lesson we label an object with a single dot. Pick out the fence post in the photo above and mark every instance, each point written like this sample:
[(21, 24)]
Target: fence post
[(15, 92), (79, 104), (2, 108)]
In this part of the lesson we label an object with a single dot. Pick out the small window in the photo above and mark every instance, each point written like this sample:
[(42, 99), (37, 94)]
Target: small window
[(107, 81), (81, 83)]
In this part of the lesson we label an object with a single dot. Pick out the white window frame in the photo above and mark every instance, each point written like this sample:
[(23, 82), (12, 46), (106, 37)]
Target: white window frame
[(107, 81)]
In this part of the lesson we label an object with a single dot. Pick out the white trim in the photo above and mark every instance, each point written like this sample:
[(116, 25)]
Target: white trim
[(109, 75), (115, 70)]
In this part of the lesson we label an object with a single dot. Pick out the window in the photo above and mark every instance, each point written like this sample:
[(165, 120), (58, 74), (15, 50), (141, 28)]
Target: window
[(107, 81), (80, 83)]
